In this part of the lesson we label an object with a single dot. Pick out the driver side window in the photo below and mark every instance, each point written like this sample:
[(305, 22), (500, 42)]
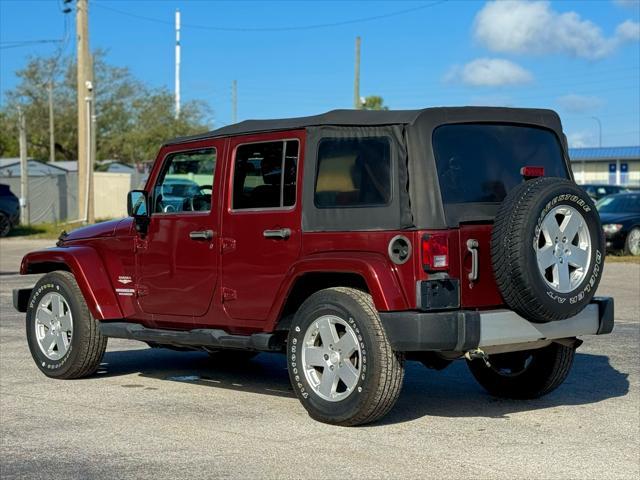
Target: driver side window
[(186, 182)]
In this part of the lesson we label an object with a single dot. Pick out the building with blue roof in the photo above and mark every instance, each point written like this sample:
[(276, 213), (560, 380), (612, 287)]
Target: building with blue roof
[(606, 165)]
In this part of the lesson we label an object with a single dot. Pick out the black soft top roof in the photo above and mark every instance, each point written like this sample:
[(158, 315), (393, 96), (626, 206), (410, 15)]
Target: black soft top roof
[(378, 117)]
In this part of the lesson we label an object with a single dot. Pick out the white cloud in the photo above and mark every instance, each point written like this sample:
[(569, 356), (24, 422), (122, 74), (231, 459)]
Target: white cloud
[(533, 27), (489, 72), (581, 140), (628, 31), (574, 103)]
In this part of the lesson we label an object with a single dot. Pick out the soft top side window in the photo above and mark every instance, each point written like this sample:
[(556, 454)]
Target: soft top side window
[(353, 172), (186, 182)]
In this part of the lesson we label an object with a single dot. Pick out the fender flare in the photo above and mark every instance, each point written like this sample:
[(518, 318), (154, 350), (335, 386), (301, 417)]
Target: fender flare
[(89, 271), (379, 275)]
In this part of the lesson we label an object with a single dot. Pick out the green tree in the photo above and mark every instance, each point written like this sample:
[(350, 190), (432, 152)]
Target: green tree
[(132, 119), (374, 102)]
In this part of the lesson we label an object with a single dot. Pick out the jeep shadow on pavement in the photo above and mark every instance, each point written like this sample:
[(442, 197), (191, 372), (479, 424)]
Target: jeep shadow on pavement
[(350, 241)]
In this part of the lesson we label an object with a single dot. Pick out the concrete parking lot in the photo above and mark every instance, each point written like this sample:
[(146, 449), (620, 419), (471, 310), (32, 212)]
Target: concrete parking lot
[(164, 414)]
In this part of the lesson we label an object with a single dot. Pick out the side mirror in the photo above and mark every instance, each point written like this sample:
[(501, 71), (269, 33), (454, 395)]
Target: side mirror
[(138, 208)]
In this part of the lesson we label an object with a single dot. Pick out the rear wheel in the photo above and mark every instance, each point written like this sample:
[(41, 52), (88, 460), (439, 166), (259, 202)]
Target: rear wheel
[(525, 374), (632, 244), (63, 336), (340, 362)]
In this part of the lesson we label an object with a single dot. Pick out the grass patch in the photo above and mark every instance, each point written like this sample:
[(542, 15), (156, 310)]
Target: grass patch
[(45, 230), (623, 259)]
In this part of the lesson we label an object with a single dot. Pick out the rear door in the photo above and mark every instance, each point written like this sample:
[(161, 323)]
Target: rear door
[(261, 234), (478, 164)]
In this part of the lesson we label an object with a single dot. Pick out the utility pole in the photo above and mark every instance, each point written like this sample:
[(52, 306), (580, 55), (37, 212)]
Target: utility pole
[(234, 101), (24, 170), (91, 134), (177, 86), (84, 87), (357, 104), (52, 137)]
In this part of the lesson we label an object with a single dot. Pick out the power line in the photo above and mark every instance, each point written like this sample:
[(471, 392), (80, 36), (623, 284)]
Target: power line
[(276, 29), (25, 43)]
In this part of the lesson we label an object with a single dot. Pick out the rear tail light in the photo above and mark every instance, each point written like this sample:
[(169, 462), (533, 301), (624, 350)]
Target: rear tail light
[(532, 172), (435, 251)]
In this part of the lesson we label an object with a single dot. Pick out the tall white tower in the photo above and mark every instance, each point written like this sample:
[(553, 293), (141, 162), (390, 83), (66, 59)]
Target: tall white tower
[(177, 63)]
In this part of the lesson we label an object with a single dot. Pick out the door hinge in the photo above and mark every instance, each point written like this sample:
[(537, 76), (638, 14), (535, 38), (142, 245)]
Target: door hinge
[(227, 245), (228, 294)]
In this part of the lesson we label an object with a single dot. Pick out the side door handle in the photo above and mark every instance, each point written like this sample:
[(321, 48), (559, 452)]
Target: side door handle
[(201, 235), (472, 246), (281, 234)]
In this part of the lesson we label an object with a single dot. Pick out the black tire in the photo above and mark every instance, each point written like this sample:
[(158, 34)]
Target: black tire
[(87, 344), (632, 236), (381, 369), (5, 225), (514, 240), (510, 376), (229, 355)]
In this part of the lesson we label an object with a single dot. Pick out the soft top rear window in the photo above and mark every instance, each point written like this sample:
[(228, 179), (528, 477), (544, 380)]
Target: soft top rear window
[(480, 163)]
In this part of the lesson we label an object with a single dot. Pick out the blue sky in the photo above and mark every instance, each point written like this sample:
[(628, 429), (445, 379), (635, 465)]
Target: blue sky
[(581, 58)]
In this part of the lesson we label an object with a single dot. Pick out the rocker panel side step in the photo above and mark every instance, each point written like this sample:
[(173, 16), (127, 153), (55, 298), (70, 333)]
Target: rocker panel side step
[(201, 337)]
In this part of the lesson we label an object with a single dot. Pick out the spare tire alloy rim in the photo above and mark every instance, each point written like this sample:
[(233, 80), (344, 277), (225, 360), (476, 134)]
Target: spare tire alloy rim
[(563, 249), (331, 358), (54, 326)]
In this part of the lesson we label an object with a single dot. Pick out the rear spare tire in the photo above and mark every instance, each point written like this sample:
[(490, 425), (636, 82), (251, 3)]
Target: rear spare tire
[(547, 249)]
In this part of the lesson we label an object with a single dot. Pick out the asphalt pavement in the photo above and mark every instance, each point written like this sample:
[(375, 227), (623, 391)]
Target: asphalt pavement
[(155, 413)]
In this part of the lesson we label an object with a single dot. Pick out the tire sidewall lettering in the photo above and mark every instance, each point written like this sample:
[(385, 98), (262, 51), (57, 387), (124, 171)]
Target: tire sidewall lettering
[(362, 390), (590, 281), (42, 361)]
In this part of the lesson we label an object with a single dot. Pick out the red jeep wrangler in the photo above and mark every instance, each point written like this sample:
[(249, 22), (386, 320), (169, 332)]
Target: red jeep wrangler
[(351, 241)]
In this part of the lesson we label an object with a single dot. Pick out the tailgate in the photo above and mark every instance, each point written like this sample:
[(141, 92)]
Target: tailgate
[(483, 290)]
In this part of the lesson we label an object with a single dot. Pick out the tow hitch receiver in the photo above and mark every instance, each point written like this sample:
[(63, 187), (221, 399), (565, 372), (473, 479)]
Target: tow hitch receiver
[(477, 353)]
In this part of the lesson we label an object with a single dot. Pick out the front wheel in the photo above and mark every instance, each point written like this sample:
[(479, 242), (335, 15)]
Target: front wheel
[(526, 374), (63, 336), (340, 362)]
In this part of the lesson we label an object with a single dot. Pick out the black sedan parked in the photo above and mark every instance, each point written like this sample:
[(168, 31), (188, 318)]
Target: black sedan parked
[(9, 210), (597, 191), (620, 215)]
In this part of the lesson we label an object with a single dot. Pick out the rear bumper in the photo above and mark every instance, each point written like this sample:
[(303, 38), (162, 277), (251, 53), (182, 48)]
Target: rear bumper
[(464, 330)]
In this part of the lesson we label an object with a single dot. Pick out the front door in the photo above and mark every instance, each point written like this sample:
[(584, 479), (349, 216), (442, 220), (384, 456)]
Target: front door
[(261, 234), (177, 259)]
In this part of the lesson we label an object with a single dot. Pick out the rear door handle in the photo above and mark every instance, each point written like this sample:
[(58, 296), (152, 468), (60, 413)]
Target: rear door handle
[(472, 246), (201, 235), (281, 234)]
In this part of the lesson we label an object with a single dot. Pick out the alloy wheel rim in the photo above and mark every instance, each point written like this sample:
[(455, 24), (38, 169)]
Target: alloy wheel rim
[(53, 326), (563, 249), (331, 358), (634, 242)]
